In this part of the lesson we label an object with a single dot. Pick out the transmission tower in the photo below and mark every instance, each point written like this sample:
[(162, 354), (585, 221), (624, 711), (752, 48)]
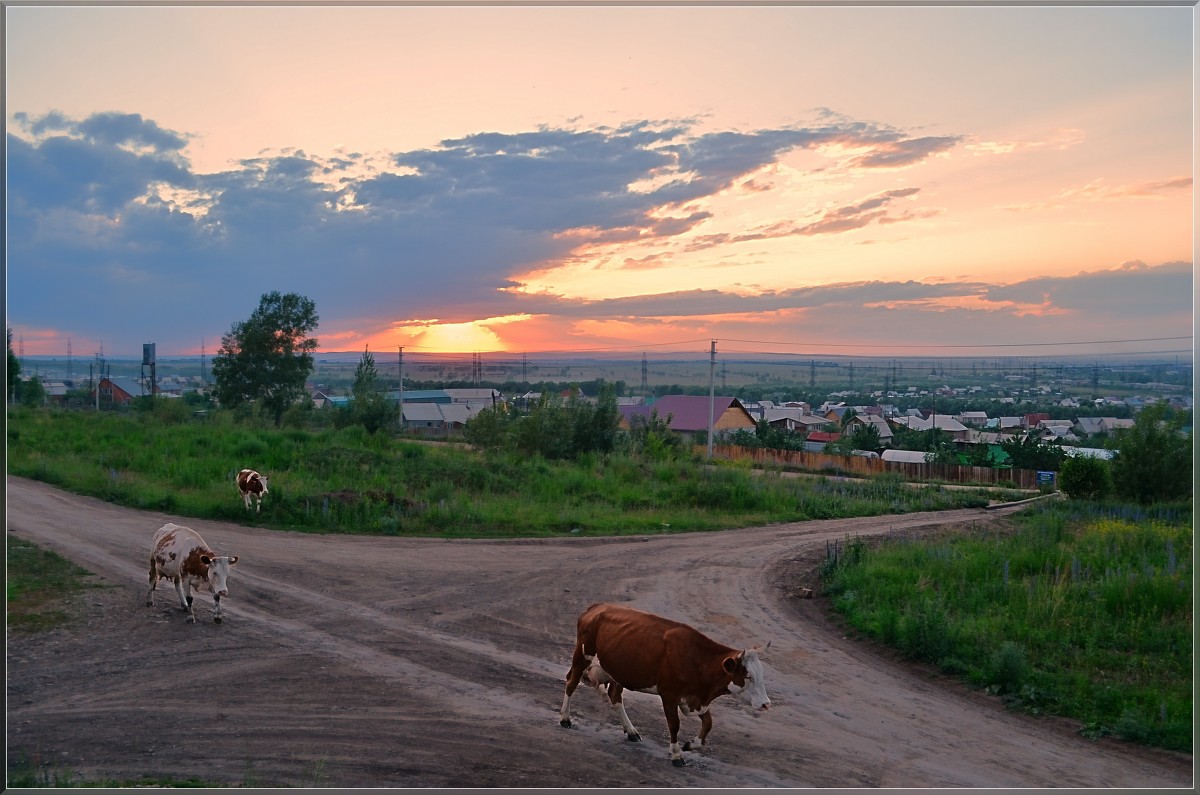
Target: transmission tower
[(645, 381)]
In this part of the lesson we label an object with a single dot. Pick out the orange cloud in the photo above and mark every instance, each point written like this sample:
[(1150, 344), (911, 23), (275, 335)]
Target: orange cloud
[(972, 302)]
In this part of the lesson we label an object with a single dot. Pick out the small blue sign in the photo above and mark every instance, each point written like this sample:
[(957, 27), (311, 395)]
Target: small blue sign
[(1045, 478)]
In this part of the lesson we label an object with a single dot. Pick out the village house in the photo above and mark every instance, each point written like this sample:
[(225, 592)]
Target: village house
[(117, 391), (689, 413), (815, 442), (943, 422), (875, 421)]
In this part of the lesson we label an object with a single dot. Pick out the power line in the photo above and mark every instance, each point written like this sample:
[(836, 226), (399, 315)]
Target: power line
[(960, 345)]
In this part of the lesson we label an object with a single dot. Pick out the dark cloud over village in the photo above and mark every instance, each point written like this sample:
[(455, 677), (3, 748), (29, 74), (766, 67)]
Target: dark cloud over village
[(113, 236)]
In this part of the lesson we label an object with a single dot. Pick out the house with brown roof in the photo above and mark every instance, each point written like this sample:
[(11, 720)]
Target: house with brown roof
[(689, 413)]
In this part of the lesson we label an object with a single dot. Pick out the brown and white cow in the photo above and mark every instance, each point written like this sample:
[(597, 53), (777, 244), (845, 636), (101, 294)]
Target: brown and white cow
[(622, 648), (180, 555), (253, 486)]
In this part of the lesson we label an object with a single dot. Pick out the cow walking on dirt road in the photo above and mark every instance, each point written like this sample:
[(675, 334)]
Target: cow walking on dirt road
[(180, 555), (627, 649)]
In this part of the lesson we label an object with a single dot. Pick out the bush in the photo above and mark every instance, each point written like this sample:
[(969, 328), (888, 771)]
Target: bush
[(1154, 458), (1085, 478), (1007, 668)]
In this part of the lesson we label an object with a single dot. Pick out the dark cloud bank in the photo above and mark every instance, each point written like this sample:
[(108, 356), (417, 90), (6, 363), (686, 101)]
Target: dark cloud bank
[(112, 235)]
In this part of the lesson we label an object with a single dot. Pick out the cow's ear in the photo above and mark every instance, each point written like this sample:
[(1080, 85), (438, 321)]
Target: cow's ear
[(205, 559), (233, 559), (731, 664)]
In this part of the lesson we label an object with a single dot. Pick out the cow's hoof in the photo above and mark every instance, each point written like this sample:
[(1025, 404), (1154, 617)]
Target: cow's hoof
[(191, 620), (687, 746), (217, 620), (149, 604), (566, 724), (633, 738), (678, 762)]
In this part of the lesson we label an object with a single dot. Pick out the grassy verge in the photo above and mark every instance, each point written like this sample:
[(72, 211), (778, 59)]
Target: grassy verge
[(352, 482), (27, 773), (1079, 611), (41, 588)]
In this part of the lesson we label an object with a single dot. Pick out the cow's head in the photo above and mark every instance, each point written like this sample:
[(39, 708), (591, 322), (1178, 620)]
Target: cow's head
[(218, 572), (263, 480), (746, 673)]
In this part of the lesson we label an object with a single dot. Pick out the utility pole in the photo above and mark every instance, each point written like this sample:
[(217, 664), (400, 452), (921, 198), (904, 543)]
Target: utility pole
[(712, 393), (400, 386), (645, 382)]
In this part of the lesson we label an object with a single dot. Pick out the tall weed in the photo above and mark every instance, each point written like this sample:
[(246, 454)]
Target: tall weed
[(1090, 618)]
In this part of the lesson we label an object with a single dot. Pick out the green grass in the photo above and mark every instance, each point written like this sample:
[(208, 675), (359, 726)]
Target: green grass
[(1073, 613), (41, 588), (348, 481), (26, 774)]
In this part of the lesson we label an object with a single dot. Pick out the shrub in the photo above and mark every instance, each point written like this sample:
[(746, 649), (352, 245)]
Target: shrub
[(1007, 668), (1085, 478)]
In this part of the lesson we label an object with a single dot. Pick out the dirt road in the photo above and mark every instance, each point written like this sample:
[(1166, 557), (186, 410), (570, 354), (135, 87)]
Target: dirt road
[(386, 662)]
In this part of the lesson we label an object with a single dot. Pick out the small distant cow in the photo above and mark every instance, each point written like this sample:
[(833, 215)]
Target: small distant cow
[(626, 649), (253, 486), (180, 555)]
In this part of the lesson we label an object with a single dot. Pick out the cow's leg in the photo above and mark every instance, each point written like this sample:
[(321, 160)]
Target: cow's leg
[(185, 593), (258, 503), (579, 664), (705, 728), (614, 698), (246, 499), (217, 608), (671, 708), (153, 582), (177, 581)]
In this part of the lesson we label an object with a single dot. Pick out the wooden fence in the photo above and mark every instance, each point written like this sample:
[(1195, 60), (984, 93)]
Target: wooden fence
[(863, 466)]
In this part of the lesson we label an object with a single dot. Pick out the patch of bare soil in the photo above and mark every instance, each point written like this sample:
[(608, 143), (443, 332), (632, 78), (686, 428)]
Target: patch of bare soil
[(391, 662)]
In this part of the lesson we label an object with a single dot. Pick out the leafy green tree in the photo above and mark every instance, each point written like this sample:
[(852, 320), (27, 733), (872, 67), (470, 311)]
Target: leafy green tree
[(653, 438), (1153, 459), (866, 437), (14, 371), (938, 446), (596, 425), (489, 429), (370, 408), (1029, 453), (980, 455), (32, 392), (267, 358), (1085, 478), (548, 429)]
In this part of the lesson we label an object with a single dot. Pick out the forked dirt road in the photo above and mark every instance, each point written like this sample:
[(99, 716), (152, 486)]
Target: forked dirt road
[(391, 662)]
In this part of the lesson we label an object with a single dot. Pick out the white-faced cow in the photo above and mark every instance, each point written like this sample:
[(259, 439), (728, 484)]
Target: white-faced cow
[(253, 486), (627, 649), (180, 555)]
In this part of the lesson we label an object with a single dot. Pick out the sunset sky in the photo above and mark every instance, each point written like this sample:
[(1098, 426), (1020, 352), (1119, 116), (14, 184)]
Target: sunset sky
[(811, 179)]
